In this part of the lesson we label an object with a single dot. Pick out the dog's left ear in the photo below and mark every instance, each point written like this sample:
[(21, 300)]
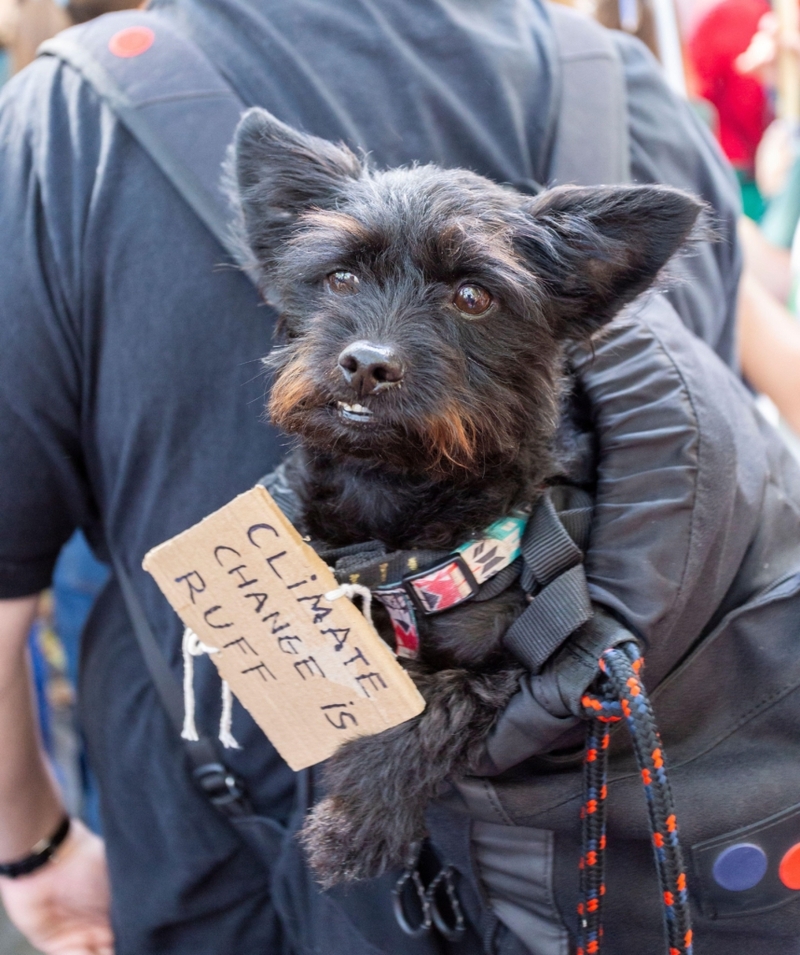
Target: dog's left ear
[(279, 174), (595, 249)]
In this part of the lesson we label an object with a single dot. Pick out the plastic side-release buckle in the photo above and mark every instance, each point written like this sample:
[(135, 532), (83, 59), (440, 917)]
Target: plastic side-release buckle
[(443, 586), (224, 791)]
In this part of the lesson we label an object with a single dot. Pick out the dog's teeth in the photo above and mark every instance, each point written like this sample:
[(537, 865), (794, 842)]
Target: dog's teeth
[(354, 409)]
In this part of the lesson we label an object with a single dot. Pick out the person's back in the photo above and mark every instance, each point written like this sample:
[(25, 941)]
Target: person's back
[(130, 386)]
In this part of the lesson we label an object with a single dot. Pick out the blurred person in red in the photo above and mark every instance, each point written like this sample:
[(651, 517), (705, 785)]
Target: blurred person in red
[(719, 37)]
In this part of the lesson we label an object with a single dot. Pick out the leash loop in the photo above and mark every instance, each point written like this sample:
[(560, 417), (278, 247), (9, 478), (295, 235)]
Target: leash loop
[(438, 904), (621, 696), (453, 930), (411, 876)]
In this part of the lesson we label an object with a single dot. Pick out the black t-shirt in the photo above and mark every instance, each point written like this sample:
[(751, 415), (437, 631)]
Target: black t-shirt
[(131, 391)]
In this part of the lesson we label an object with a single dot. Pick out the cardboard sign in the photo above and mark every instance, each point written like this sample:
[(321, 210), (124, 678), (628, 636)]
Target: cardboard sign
[(312, 672)]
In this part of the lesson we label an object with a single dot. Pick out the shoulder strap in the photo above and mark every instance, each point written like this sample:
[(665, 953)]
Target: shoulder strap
[(591, 146), (168, 95), (182, 112), (223, 789), (553, 573)]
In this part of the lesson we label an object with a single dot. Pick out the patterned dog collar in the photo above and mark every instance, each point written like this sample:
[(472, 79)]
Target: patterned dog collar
[(451, 582)]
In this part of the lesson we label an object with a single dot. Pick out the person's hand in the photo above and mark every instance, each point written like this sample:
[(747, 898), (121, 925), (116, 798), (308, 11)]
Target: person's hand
[(63, 908), (9, 17), (761, 56)]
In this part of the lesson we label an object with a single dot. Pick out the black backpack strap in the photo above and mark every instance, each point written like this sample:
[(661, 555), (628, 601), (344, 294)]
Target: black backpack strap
[(169, 97), (591, 146), (183, 112), (223, 789), (553, 572)]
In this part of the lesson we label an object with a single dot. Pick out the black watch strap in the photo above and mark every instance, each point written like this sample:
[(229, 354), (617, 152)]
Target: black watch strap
[(40, 855)]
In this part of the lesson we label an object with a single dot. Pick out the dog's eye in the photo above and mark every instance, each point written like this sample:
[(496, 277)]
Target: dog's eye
[(472, 300), (343, 282)]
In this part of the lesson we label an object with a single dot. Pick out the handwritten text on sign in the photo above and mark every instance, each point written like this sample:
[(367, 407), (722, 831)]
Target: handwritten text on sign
[(312, 672)]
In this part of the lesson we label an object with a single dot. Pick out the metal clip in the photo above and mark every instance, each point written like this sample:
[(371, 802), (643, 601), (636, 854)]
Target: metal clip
[(223, 789), (440, 894), (411, 875), (453, 929)]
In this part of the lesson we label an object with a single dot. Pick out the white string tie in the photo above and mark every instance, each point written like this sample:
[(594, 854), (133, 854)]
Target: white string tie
[(225, 735), (354, 590), (193, 647)]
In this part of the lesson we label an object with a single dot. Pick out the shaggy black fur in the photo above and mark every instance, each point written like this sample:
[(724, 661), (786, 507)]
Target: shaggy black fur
[(423, 314)]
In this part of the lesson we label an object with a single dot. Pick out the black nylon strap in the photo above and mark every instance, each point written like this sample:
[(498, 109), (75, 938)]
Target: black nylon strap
[(575, 667), (557, 610), (166, 686), (574, 509), (172, 100), (552, 561), (223, 789), (547, 548), (372, 569)]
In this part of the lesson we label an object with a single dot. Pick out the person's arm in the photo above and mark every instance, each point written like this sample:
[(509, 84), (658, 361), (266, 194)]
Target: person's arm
[(769, 347), (62, 907), (49, 143), (30, 807), (769, 263)]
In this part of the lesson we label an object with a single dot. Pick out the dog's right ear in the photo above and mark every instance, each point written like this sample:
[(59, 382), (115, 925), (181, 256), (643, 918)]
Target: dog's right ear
[(281, 173)]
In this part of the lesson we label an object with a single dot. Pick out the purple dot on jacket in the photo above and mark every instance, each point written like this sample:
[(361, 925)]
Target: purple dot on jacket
[(740, 867)]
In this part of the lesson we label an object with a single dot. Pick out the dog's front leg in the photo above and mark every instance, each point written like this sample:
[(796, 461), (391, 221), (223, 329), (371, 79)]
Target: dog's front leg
[(379, 786)]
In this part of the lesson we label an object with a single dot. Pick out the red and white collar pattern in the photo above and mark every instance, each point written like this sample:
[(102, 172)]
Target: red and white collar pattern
[(451, 582)]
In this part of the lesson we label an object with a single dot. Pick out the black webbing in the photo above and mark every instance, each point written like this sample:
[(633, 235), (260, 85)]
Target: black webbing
[(371, 566), (547, 548), (166, 686), (553, 562), (224, 790), (559, 609)]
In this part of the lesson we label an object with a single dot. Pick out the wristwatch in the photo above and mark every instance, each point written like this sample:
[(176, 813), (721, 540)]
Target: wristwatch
[(40, 855)]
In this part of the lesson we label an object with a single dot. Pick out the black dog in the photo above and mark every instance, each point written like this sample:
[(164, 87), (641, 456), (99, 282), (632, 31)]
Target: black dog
[(424, 314)]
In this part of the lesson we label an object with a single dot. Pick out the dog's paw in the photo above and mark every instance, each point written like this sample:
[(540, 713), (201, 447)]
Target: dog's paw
[(343, 846)]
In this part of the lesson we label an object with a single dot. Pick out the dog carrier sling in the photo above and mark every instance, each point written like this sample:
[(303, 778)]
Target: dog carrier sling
[(183, 114)]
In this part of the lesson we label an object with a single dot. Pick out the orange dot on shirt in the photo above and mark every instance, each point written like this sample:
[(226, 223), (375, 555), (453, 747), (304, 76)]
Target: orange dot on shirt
[(789, 869), (132, 41)]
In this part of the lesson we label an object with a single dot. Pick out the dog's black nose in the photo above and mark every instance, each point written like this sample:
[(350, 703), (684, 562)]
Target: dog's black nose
[(370, 368)]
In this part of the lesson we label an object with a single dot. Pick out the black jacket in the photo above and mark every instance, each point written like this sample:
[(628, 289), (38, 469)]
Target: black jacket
[(695, 547)]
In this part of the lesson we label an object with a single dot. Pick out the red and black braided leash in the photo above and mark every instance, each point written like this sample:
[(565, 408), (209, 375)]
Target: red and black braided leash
[(622, 696)]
